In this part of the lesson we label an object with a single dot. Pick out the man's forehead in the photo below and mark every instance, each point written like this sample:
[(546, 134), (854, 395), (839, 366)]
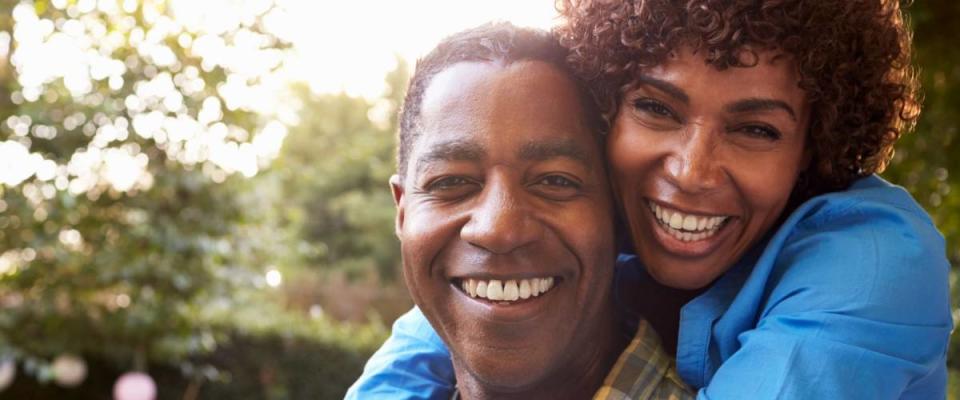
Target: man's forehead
[(533, 150), (456, 81), (525, 110), (474, 92)]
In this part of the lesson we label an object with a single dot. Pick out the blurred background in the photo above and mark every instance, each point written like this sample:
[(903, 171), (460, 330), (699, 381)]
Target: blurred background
[(193, 194)]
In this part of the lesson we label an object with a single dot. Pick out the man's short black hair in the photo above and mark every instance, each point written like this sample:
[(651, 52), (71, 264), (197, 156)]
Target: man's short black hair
[(492, 42)]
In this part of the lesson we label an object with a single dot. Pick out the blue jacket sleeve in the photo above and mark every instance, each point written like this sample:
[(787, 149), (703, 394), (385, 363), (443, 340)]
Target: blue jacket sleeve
[(856, 307), (412, 364)]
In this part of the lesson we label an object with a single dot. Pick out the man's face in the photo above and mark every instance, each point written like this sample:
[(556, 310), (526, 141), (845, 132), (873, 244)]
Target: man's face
[(505, 221)]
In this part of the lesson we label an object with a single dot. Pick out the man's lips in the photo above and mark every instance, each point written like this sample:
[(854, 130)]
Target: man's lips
[(489, 298), (507, 290)]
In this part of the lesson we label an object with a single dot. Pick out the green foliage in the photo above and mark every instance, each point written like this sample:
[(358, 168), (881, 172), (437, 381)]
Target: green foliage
[(953, 385), (334, 170), (926, 161), (319, 360), (129, 236), (134, 225)]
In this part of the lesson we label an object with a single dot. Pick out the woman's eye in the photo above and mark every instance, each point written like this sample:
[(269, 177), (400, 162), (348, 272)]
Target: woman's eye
[(653, 107), (762, 132)]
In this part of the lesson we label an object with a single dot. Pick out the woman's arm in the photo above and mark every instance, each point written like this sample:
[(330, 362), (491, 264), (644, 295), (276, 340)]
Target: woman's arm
[(856, 306), (412, 364)]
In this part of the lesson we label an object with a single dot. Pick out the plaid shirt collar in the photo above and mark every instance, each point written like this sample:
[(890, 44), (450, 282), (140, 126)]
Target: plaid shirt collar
[(644, 371)]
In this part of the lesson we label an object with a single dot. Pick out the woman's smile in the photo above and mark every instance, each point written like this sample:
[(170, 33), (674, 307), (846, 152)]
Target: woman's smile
[(687, 234), (687, 227)]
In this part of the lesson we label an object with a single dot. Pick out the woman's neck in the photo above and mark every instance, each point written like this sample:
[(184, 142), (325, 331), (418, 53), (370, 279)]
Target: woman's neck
[(660, 305)]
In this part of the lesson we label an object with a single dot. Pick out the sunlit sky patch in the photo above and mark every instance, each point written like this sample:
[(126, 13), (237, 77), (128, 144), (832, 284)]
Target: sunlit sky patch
[(337, 46), (350, 45)]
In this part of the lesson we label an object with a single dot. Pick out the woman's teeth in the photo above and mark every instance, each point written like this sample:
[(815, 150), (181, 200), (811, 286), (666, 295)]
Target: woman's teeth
[(686, 227), (511, 290)]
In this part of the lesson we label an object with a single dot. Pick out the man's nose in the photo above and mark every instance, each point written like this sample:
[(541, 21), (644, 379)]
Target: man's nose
[(501, 221), (694, 164)]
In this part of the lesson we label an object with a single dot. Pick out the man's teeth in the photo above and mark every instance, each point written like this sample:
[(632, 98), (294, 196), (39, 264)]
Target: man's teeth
[(511, 290), (687, 227)]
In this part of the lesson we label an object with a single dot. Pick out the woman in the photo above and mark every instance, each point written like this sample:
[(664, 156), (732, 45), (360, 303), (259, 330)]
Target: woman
[(743, 141)]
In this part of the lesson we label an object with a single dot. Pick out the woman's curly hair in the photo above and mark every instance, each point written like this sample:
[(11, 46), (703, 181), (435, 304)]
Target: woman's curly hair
[(853, 57)]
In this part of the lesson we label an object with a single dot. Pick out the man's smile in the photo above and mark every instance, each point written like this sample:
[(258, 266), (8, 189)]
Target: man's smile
[(500, 299), (507, 291)]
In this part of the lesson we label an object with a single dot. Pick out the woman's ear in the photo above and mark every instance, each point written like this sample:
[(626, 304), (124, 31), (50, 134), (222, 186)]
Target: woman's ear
[(807, 158), (396, 187)]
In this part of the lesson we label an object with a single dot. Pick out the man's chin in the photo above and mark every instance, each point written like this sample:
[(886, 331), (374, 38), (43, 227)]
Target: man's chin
[(506, 373), (510, 347)]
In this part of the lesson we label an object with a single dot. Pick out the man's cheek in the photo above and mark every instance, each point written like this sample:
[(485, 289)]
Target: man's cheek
[(419, 270)]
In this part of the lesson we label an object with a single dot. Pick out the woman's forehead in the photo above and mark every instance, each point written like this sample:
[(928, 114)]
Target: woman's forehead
[(688, 70)]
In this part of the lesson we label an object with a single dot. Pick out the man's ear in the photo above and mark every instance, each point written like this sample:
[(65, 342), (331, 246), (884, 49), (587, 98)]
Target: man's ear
[(396, 186)]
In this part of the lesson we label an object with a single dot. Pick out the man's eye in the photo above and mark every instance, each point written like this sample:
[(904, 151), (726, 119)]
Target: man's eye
[(559, 181), (557, 187), (450, 182), (653, 107)]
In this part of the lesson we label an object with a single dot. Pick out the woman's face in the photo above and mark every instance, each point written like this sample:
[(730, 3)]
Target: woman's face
[(704, 161)]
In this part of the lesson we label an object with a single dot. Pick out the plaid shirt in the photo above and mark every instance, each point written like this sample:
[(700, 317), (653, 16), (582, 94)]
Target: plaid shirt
[(644, 372)]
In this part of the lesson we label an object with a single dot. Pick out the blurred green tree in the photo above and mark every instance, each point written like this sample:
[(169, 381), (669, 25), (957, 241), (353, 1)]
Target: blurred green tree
[(334, 169), (926, 161), (126, 230)]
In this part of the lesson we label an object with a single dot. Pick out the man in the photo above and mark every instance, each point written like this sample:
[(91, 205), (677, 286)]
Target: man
[(505, 223)]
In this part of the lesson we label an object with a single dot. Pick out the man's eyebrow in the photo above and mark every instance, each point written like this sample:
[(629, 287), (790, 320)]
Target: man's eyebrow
[(454, 150), (758, 104), (545, 150), (666, 87)]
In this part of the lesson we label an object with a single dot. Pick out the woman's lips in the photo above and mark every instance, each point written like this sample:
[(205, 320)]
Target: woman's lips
[(687, 227), (687, 234)]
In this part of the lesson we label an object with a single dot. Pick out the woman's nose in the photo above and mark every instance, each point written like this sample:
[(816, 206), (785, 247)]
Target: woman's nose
[(693, 165)]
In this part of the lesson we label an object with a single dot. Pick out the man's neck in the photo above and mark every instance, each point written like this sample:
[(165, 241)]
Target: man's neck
[(578, 378)]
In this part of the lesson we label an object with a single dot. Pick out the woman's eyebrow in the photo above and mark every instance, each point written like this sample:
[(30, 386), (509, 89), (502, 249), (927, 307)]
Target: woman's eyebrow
[(666, 87), (760, 104)]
